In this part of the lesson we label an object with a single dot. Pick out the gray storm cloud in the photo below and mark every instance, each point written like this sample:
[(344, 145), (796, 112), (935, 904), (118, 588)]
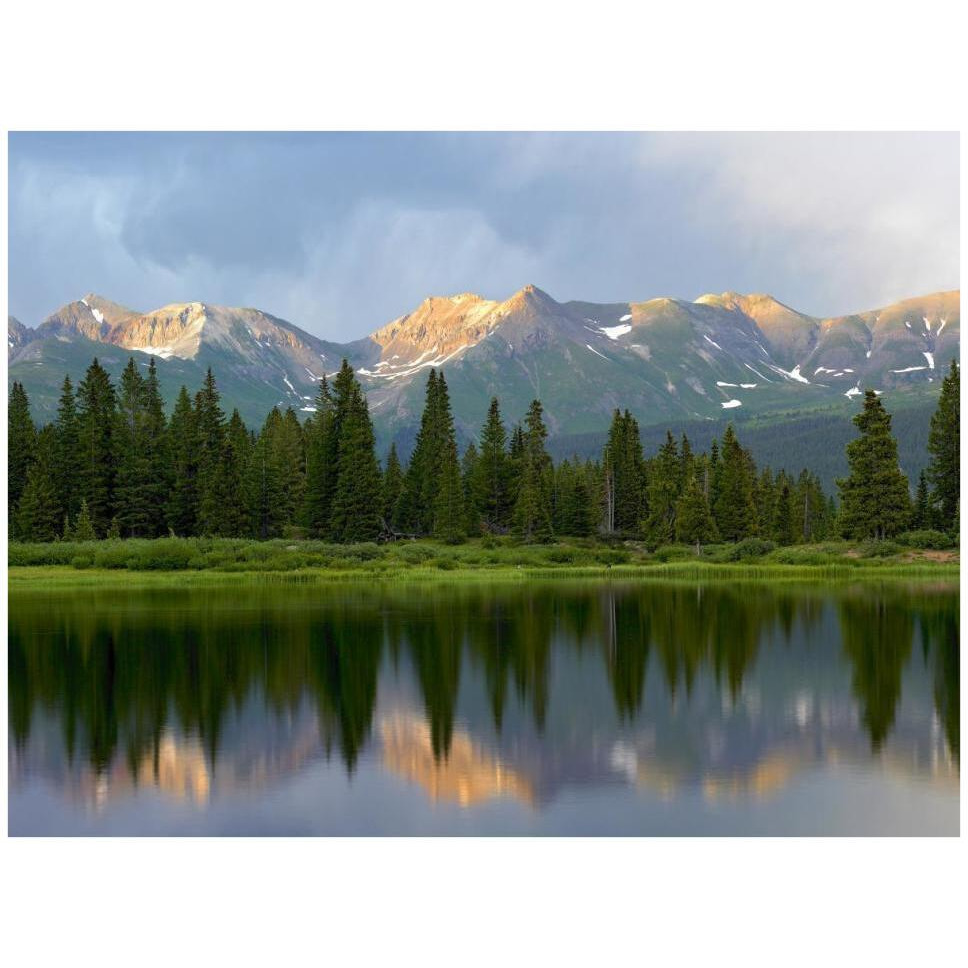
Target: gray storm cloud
[(342, 232)]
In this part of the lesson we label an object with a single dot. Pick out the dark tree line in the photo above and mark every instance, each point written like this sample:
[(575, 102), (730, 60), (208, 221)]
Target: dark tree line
[(112, 464)]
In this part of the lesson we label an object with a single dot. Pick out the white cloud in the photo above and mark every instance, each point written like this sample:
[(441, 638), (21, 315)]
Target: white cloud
[(865, 218)]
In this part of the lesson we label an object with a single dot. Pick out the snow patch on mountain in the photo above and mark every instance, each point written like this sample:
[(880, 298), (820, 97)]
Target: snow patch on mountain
[(597, 353), (730, 404), (162, 352), (613, 332), (930, 358), (910, 369), (793, 374)]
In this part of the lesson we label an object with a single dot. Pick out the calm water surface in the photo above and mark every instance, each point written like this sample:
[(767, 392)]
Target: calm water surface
[(505, 709)]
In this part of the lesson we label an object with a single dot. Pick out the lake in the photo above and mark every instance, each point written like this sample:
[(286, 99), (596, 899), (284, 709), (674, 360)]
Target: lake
[(555, 708)]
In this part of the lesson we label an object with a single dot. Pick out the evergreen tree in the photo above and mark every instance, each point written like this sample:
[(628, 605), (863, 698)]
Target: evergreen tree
[(263, 484), (766, 496), (416, 498), (783, 522), (874, 501), (448, 506), (468, 472), (321, 433), (289, 456), (392, 486), (515, 467), (97, 425), (574, 504), (944, 445), (532, 512), (67, 456), (234, 520), (21, 449), (39, 512), (356, 501), (625, 493), (695, 524), (131, 445), (182, 505), (210, 436), (157, 456), (664, 490), (491, 486), (922, 516), (83, 527), (432, 498), (734, 509)]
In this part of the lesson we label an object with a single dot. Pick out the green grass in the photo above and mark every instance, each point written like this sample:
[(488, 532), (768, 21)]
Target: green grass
[(198, 561)]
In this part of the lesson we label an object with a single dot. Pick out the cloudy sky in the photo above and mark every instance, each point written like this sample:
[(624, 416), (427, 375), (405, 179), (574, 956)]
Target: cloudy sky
[(340, 233)]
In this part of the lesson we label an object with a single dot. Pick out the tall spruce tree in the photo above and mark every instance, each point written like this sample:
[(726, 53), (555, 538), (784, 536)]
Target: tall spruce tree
[(182, 505), (922, 516), (67, 452), (533, 511), (157, 485), (446, 482), (416, 502), (734, 509), (39, 516), (625, 502), (97, 425), (468, 472), (944, 445), (321, 434), (491, 484), (874, 499), (695, 524), (210, 434), (356, 501), (664, 491), (288, 442), (392, 485), (263, 484), (784, 529), (234, 520), (574, 503), (131, 447), (21, 449)]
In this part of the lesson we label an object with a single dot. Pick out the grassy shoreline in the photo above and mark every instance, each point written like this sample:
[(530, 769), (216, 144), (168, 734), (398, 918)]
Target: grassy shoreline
[(201, 562)]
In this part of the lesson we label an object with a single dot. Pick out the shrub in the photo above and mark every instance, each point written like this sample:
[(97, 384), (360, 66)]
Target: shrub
[(879, 549), (747, 550), (415, 554), (82, 561), (928, 538), (561, 556), (612, 556), (166, 554), (112, 554)]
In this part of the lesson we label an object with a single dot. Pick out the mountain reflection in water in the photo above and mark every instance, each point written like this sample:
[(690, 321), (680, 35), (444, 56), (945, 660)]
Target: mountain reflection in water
[(524, 694)]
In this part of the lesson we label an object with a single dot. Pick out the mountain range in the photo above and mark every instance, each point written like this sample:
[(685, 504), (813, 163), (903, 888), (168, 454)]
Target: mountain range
[(670, 361)]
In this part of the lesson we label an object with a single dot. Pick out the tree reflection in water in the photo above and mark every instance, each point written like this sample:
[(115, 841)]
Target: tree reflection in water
[(119, 673)]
